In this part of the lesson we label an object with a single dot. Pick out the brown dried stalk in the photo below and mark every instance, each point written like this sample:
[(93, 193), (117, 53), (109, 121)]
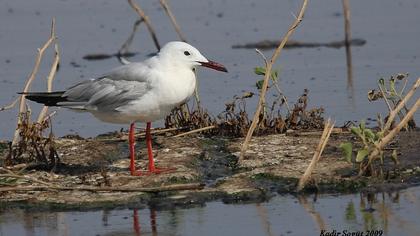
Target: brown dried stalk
[(400, 105), (11, 105), (269, 66), (347, 42), (329, 126), (168, 11), (346, 10), (22, 104), (195, 131), (281, 94), (141, 13), (385, 140), (50, 80), (11, 174)]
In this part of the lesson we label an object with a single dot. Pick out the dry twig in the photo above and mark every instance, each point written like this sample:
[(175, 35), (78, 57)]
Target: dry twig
[(50, 80), (141, 13), (11, 105), (269, 66), (11, 174), (329, 126), (195, 131), (385, 140), (22, 104), (400, 105), (168, 11)]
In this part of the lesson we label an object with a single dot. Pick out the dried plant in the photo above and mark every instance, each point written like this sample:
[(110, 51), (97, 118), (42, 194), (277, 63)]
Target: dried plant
[(268, 66), (29, 144), (329, 126), (32, 146), (234, 120), (183, 116)]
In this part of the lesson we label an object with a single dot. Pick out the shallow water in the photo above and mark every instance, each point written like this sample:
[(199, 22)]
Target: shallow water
[(394, 213), (390, 28), (214, 26)]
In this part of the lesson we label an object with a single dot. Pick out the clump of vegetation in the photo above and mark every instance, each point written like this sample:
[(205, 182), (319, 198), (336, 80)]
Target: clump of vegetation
[(276, 117), (29, 144), (234, 121), (301, 118), (183, 117), (370, 139), (370, 157), (392, 97), (32, 146)]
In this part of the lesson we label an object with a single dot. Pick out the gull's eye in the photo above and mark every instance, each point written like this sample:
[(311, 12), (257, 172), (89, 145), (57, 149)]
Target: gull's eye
[(187, 53)]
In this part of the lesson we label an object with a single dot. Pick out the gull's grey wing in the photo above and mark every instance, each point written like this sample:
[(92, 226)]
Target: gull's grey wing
[(110, 91)]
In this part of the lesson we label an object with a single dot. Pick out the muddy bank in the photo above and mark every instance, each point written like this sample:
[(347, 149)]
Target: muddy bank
[(273, 164)]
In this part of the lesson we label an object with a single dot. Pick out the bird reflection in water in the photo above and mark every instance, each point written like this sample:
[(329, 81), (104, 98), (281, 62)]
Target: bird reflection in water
[(136, 222)]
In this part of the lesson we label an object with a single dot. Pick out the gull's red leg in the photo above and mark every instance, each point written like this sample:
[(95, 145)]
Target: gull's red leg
[(131, 142), (149, 147), (152, 168)]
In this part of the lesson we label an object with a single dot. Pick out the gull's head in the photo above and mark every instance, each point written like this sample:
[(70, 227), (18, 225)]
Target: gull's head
[(183, 54)]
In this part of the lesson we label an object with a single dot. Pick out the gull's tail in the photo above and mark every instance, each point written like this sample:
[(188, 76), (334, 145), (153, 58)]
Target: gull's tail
[(47, 98)]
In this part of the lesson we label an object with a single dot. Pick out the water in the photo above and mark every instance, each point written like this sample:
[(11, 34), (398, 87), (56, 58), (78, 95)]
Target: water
[(394, 213), (390, 28), (213, 26)]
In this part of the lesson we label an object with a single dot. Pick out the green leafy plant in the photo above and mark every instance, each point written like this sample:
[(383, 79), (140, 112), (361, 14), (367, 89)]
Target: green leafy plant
[(261, 71), (369, 139), (374, 141)]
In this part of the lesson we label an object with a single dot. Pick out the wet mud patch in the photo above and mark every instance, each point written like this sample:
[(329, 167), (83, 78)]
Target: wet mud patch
[(216, 163), (94, 172)]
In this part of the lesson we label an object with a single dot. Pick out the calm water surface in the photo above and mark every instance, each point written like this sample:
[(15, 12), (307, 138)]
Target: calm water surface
[(390, 28), (394, 213)]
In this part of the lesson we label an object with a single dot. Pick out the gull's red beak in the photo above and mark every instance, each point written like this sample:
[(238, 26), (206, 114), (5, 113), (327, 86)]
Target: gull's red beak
[(214, 65)]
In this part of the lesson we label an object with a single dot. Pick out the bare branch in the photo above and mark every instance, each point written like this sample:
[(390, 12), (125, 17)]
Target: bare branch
[(22, 104), (168, 11), (385, 98), (269, 66), (329, 126), (400, 105), (195, 131), (141, 13), (11, 105), (385, 140), (50, 79)]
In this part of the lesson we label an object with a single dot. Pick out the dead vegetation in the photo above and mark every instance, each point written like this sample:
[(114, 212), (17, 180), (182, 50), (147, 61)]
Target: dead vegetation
[(31, 144), (267, 75)]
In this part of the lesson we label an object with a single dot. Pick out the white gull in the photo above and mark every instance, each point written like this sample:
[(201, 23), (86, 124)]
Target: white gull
[(137, 92)]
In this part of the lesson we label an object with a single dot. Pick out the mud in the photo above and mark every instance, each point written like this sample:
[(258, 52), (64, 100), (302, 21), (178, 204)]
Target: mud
[(273, 164)]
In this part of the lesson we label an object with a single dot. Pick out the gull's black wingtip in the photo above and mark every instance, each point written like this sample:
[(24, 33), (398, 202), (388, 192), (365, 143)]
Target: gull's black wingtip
[(46, 98)]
